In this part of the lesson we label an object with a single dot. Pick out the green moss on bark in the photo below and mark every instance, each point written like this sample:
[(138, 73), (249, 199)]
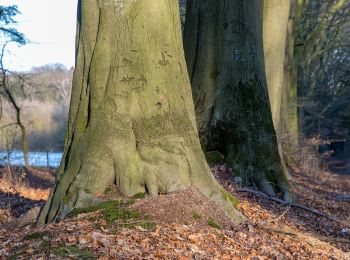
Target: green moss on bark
[(131, 120), (233, 111)]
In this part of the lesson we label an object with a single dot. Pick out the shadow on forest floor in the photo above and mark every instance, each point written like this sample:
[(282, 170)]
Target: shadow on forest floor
[(25, 190), (17, 204)]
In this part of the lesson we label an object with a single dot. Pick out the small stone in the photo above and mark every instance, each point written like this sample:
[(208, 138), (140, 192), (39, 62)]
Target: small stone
[(223, 167), (345, 231), (250, 228)]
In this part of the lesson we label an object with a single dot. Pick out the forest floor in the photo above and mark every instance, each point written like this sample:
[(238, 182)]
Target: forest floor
[(181, 225)]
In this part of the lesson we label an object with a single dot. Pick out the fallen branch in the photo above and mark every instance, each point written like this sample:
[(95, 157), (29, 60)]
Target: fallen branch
[(276, 230), (314, 211), (345, 198), (306, 236)]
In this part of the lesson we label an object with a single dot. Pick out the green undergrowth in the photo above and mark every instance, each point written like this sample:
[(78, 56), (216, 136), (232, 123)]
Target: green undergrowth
[(115, 211), (214, 157), (213, 224), (45, 247), (140, 195), (33, 236), (18, 251), (73, 251), (196, 216)]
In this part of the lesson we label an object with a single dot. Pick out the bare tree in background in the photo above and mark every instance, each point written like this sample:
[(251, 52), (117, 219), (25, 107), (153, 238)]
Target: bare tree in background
[(11, 35)]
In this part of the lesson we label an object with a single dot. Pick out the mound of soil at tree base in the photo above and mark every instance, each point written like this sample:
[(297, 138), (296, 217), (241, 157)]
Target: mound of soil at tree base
[(189, 207)]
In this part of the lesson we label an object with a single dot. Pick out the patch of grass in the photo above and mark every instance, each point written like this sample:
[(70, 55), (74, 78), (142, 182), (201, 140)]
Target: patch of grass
[(213, 224), (102, 206), (77, 253), (148, 225), (18, 252), (33, 236), (45, 246), (129, 202), (196, 216), (219, 235), (118, 213), (115, 211), (111, 211), (139, 195)]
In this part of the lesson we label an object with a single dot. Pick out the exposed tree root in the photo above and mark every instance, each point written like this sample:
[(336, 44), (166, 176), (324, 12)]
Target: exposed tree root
[(314, 211), (345, 198), (310, 238)]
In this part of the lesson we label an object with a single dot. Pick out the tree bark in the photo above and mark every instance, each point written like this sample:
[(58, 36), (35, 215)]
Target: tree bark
[(275, 25), (224, 52), (289, 109), (1, 104), (18, 119), (131, 119), (276, 16)]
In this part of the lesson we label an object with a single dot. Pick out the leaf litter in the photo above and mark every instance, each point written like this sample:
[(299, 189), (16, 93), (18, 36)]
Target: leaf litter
[(185, 225)]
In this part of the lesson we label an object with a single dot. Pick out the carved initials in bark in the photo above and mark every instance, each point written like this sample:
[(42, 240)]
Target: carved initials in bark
[(117, 131)]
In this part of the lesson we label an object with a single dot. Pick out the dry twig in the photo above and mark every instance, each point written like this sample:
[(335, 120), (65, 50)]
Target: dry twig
[(314, 211)]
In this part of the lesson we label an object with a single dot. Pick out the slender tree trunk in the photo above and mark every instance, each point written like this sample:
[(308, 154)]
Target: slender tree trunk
[(1, 104), (18, 119), (225, 59), (276, 16), (289, 109), (23, 139), (131, 119), (298, 59)]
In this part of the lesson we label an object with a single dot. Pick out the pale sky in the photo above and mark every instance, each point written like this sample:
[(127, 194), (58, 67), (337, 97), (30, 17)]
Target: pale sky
[(50, 25)]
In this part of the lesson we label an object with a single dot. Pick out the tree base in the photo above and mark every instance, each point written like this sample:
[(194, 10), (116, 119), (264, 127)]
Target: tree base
[(138, 168)]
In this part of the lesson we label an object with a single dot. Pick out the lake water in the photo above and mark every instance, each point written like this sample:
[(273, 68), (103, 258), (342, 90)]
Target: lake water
[(36, 159)]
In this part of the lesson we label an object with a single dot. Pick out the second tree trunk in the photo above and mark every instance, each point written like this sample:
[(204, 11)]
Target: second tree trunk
[(225, 59)]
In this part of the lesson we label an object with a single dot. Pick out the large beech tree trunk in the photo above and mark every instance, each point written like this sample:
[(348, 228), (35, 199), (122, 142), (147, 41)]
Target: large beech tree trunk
[(225, 59), (131, 119)]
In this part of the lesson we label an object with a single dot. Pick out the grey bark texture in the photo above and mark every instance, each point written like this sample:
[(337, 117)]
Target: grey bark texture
[(131, 119), (289, 111), (223, 43), (276, 17)]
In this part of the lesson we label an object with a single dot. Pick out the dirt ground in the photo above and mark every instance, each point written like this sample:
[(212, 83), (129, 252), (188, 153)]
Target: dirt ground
[(182, 225)]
